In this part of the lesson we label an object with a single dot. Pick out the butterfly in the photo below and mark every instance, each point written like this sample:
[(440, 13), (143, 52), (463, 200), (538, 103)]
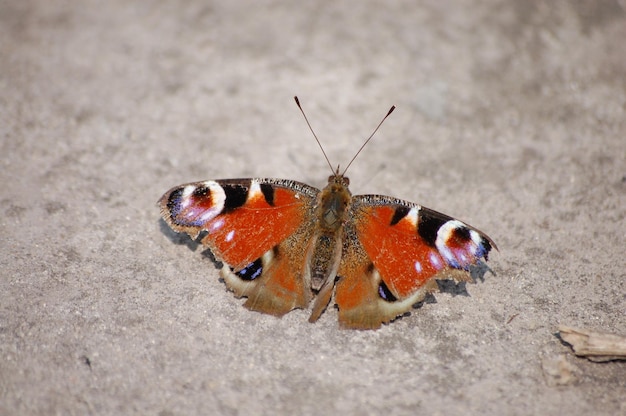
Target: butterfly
[(283, 243)]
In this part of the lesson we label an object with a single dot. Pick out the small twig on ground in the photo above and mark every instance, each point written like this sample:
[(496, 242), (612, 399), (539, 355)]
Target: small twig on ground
[(595, 346)]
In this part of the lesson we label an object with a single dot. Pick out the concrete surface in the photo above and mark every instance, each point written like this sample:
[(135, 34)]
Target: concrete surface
[(511, 116)]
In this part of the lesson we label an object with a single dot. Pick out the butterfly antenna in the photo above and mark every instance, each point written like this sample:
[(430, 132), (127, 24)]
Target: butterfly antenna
[(393, 107), (314, 135)]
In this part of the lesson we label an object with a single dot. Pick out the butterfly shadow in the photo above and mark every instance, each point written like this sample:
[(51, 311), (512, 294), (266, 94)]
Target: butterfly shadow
[(181, 239), (193, 244), (457, 288)]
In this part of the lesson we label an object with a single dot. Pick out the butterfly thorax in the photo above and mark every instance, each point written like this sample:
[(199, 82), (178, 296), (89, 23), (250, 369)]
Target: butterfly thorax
[(333, 204)]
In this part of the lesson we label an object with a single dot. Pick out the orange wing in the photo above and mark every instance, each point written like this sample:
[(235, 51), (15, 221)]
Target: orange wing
[(396, 250), (243, 218), (257, 227)]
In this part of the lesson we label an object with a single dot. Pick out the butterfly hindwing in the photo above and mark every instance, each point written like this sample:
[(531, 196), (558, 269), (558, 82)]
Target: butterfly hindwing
[(395, 251), (257, 227)]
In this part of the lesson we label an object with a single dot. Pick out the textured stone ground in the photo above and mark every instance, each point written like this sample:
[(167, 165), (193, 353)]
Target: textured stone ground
[(511, 116)]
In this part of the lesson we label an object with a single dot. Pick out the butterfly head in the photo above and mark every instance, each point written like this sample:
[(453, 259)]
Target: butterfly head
[(338, 179)]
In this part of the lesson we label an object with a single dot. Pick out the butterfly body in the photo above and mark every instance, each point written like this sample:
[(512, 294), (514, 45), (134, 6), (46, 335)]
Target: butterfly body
[(283, 243)]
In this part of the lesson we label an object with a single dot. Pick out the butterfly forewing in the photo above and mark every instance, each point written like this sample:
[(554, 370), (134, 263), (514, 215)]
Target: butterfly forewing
[(243, 218)]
